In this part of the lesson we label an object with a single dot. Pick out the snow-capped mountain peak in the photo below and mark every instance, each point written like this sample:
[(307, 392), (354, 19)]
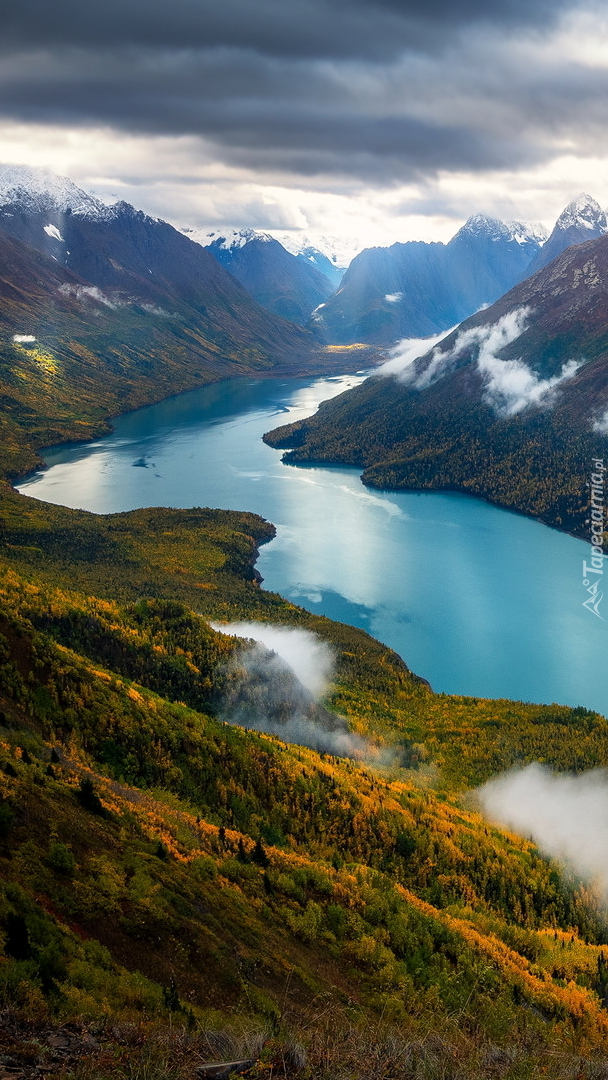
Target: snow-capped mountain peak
[(41, 191), (494, 229), (583, 213), (325, 253), (480, 225)]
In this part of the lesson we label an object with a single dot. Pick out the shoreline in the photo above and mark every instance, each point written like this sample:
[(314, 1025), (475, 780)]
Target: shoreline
[(327, 367)]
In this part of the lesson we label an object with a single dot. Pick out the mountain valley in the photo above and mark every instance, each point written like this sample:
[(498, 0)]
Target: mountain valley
[(177, 888)]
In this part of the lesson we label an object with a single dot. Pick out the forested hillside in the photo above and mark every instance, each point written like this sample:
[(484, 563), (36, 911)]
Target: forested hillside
[(161, 867)]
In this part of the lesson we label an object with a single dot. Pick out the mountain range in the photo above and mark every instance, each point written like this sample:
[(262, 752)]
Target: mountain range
[(583, 219), (419, 289), (408, 290), (511, 406)]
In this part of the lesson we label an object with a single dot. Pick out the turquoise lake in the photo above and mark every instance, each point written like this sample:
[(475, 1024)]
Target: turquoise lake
[(477, 600)]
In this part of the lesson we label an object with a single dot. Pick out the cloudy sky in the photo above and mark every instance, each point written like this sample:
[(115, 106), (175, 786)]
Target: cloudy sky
[(374, 120)]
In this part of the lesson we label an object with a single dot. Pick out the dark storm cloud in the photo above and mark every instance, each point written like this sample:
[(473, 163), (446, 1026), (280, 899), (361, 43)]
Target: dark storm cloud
[(261, 115), (308, 28), (307, 86)]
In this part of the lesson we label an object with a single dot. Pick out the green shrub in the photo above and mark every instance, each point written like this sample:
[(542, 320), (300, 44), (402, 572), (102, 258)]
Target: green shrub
[(61, 859)]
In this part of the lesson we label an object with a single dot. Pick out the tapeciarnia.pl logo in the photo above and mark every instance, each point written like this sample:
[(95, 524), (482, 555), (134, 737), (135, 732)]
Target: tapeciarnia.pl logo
[(593, 572)]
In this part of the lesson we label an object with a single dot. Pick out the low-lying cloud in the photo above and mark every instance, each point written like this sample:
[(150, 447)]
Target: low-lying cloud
[(600, 424), (87, 293), (310, 658), (509, 386), (405, 352), (566, 816), (84, 293), (275, 684)]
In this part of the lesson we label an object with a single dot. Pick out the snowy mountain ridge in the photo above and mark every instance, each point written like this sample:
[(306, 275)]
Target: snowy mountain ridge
[(337, 252), (40, 190), (495, 229)]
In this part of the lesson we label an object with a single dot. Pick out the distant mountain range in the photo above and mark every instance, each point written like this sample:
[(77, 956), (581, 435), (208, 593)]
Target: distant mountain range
[(385, 294), (328, 254), (511, 406), (412, 289), (418, 289)]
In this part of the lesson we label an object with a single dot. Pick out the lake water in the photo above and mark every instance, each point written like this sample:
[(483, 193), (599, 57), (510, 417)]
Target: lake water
[(475, 599)]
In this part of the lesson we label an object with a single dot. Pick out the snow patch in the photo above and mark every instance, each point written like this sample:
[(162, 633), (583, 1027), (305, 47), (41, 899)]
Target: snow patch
[(53, 231)]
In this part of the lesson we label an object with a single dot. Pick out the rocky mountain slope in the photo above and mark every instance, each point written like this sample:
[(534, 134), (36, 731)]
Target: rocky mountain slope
[(120, 310)]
